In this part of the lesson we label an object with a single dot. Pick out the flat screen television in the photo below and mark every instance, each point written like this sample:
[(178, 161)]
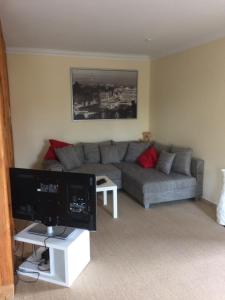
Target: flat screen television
[(54, 199)]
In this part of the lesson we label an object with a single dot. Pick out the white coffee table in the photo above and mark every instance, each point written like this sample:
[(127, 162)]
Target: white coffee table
[(104, 188)]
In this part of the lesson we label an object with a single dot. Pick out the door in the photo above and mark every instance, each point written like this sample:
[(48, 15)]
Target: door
[(6, 161)]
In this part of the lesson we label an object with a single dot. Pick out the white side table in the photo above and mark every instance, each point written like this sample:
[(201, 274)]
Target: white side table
[(106, 187), (67, 258)]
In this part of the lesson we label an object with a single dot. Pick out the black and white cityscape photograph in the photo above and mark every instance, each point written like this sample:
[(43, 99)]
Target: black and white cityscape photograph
[(104, 94)]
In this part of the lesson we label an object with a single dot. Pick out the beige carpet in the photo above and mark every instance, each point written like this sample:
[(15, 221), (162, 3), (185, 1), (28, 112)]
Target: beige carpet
[(172, 251)]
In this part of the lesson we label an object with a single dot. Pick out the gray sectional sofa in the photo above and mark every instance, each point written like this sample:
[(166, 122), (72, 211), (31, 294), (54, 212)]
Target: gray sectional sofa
[(147, 186)]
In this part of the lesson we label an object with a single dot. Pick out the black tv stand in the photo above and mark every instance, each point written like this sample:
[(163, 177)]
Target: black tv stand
[(60, 232)]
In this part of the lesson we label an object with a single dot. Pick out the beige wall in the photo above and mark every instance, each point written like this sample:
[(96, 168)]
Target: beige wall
[(41, 104), (188, 106)]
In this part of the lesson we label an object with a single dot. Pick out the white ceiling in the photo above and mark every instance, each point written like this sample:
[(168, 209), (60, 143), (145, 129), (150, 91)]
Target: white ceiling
[(116, 26)]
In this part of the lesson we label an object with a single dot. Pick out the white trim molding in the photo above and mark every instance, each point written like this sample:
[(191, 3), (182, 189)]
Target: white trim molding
[(54, 52)]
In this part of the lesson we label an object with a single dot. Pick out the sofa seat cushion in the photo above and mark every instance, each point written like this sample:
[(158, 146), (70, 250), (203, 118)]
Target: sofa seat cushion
[(100, 169), (154, 181)]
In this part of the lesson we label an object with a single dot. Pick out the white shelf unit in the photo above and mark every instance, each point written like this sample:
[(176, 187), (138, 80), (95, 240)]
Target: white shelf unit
[(67, 258)]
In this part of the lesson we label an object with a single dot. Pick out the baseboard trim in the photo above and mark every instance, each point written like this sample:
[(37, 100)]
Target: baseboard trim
[(7, 292), (208, 202)]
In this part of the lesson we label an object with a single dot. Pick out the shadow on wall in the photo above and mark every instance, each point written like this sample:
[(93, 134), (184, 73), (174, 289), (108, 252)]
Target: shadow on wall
[(209, 209), (38, 162)]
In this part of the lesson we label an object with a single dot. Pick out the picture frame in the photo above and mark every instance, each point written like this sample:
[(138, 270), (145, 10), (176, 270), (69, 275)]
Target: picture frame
[(101, 94)]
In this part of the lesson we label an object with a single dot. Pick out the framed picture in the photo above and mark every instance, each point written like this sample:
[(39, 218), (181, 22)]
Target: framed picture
[(104, 94)]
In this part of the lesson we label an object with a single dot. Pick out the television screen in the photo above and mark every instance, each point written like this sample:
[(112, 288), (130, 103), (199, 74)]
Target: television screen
[(54, 198)]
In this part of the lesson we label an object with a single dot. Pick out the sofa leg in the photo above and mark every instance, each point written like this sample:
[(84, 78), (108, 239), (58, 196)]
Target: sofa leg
[(146, 206)]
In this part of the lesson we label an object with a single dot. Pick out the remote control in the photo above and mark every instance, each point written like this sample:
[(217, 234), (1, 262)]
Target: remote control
[(101, 181)]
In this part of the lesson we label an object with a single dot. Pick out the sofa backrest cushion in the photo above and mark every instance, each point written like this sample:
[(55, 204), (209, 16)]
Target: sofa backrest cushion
[(80, 150), (92, 151), (182, 161), (159, 147), (135, 149), (122, 149), (109, 154), (69, 157), (165, 162)]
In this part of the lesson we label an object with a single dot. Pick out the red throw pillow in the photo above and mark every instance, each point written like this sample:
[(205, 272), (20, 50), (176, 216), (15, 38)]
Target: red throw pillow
[(149, 158), (58, 144), (50, 155)]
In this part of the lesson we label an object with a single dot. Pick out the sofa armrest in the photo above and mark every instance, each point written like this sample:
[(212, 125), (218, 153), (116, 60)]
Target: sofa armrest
[(197, 170), (52, 165)]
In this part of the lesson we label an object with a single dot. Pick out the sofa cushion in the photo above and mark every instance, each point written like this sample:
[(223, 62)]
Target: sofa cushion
[(182, 161), (135, 149), (154, 181), (122, 149), (149, 158), (176, 149), (92, 151), (159, 147), (165, 162), (51, 155), (109, 154), (100, 169), (52, 165), (58, 144), (69, 157)]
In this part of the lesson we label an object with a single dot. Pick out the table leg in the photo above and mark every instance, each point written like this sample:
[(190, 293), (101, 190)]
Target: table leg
[(105, 198), (115, 212)]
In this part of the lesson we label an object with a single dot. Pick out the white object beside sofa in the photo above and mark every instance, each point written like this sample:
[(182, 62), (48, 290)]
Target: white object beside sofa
[(221, 203)]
